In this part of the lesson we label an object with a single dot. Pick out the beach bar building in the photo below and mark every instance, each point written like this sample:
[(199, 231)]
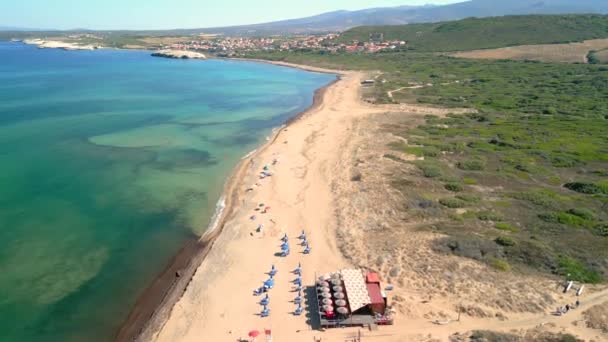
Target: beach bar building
[(351, 297)]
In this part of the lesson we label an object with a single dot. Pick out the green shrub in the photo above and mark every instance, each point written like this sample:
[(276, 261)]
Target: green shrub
[(471, 165), (469, 181), (544, 198), (584, 188), (583, 213), (505, 241), (454, 187), (563, 218), (592, 58), (501, 265), (430, 151), (506, 227), (429, 170), (468, 198), (577, 271), (570, 220), (489, 216), (452, 203)]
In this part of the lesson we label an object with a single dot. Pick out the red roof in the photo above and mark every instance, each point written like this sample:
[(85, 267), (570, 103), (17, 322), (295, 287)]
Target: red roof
[(373, 277), (375, 294)]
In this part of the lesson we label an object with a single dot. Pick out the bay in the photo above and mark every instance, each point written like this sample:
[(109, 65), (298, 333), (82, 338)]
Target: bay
[(110, 160)]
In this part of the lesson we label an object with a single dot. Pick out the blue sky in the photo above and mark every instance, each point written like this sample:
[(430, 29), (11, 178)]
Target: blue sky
[(166, 14)]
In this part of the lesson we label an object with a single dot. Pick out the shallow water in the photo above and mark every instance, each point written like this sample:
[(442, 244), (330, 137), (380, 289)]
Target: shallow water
[(110, 160)]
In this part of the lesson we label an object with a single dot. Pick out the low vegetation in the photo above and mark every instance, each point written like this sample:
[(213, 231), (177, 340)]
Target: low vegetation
[(484, 33), (580, 52), (522, 182)]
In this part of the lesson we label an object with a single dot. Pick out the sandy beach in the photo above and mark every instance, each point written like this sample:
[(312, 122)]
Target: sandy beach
[(218, 303), (312, 162)]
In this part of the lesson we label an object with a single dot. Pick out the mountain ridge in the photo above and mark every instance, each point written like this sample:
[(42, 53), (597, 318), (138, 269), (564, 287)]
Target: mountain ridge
[(342, 20), (400, 15)]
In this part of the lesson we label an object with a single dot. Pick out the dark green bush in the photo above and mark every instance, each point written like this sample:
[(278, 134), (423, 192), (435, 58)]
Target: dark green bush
[(584, 188), (489, 216), (471, 165), (452, 203), (454, 187), (429, 170), (505, 241), (577, 271)]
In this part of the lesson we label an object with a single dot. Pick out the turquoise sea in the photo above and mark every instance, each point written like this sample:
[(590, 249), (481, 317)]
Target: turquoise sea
[(109, 161)]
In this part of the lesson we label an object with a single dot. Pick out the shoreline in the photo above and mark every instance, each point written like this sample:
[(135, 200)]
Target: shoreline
[(153, 306)]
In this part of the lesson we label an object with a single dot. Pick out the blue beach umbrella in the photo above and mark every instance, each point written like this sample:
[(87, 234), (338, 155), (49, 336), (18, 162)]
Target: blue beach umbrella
[(269, 282), (265, 300), (284, 247)]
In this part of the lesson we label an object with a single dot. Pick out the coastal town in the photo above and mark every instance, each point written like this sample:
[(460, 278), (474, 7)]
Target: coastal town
[(224, 46), (330, 43)]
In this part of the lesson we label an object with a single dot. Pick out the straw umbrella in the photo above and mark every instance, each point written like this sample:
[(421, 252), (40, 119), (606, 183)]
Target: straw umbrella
[(342, 310), (339, 295), (341, 302)]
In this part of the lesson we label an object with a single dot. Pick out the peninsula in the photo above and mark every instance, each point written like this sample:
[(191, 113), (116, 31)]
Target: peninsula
[(58, 44), (179, 54)]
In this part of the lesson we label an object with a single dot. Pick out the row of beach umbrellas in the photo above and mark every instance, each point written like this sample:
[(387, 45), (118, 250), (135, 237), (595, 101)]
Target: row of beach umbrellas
[(331, 295), (298, 283)]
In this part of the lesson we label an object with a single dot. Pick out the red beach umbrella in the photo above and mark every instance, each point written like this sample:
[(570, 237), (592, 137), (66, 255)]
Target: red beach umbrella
[(254, 333)]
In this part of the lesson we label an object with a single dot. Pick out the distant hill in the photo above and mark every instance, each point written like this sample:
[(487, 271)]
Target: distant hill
[(484, 33), (326, 22), (343, 20), (16, 29)]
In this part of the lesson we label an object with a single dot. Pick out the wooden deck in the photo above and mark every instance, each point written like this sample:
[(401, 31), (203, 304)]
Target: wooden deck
[(355, 320)]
